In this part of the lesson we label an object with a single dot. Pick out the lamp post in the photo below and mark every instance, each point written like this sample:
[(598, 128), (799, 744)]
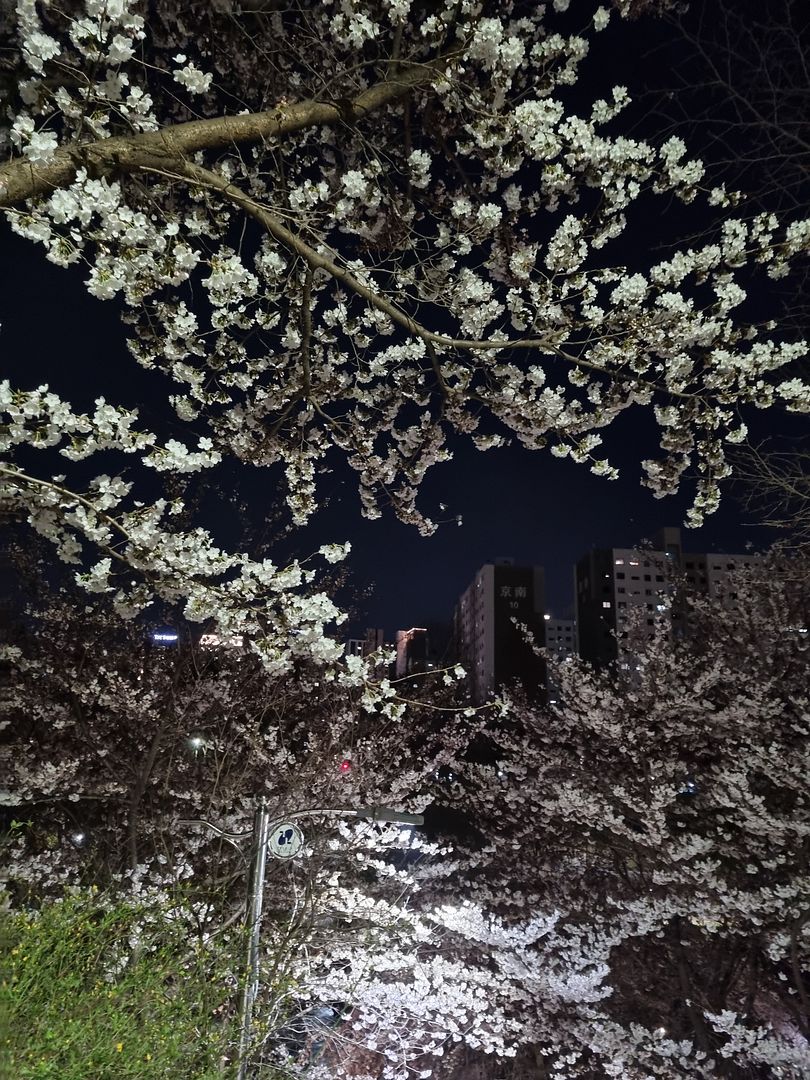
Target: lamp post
[(279, 838)]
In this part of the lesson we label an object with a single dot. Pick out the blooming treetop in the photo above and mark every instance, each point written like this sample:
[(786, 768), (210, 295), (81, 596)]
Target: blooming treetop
[(111, 740), (363, 226), (663, 813)]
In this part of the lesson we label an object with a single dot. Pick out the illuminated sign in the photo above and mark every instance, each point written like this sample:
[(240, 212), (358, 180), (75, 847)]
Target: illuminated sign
[(165, 637)]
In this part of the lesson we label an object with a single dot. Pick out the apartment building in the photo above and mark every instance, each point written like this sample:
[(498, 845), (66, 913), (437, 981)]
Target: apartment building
[(489, 641), (621, 588), (561, 637)]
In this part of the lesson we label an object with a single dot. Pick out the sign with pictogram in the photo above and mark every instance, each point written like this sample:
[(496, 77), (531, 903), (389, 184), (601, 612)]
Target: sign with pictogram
[(286, 840)]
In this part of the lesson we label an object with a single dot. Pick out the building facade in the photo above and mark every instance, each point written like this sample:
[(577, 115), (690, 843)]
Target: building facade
[(364, 646), (412, 652), (489, 641), (561, 645), (622, 593), (561, 637)]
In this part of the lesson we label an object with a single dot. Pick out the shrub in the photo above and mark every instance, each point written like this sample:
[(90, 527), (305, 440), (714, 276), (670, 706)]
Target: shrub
[(102, 988)]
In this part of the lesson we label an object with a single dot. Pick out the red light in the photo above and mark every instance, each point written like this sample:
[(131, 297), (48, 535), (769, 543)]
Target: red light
[(345, 765)]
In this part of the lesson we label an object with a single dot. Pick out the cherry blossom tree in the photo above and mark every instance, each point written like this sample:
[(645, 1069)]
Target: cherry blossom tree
[(361, 228), (115, 730), (114, 739), (659, 815), (630, 898), (734, 79)]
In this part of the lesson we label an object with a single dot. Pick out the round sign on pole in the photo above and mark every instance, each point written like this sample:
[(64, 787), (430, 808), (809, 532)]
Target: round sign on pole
[(286, 840)]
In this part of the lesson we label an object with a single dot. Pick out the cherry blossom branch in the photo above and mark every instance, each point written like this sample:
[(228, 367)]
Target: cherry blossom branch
[(207, 178), (306, 332), (21, 479), (21, 180)]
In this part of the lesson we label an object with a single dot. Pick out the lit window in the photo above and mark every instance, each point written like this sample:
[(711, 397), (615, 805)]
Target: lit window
[(606, 603), (634, 562), (620, 562)]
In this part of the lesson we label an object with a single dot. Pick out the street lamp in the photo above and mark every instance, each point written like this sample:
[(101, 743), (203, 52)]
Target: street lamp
[(280, 838)]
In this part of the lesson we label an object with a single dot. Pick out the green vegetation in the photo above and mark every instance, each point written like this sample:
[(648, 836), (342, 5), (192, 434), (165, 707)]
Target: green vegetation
[(115, 989)]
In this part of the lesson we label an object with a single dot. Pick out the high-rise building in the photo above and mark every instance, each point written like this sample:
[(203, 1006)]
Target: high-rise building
[(490, 616), (353, 646), (709, 574), (364, 646), (412, 651), (561, 637), (617, 587), (561, 645)]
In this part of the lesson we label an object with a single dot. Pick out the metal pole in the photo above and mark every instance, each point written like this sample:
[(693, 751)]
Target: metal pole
[(262, 830), (261, 835)]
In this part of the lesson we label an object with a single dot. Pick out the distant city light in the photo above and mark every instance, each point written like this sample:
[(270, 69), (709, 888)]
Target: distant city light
[(78, 838), (546, 616), (196, 742)]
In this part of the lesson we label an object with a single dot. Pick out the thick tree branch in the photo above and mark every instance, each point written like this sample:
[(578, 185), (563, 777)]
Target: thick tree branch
[(20, 180)]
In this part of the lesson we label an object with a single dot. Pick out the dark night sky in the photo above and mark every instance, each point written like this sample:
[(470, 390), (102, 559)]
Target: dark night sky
[(513, 502)]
